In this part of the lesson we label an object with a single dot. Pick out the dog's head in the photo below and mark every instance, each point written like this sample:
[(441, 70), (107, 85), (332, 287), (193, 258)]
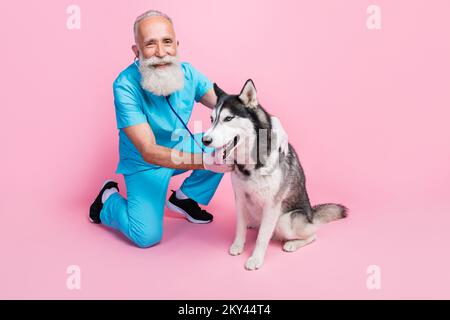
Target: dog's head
[(235, 118)]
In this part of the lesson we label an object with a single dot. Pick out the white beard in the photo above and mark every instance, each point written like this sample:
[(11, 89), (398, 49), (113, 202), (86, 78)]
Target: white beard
[(161, 82)]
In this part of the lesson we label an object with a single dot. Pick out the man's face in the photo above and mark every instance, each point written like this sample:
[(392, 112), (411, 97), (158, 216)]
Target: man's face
[(156, 37), (159, 66)]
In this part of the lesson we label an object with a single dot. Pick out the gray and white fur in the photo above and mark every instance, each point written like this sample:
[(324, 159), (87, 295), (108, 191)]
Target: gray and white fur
[(270, 191)]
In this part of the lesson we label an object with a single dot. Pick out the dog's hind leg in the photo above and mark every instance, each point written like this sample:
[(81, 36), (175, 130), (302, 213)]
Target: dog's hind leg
[(294, 245)]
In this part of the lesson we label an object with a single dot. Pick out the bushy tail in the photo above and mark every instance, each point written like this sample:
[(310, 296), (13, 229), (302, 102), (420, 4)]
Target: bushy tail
[(328, 212)]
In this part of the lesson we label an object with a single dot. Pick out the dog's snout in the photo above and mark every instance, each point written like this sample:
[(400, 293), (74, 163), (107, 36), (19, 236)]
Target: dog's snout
[(206, 140)]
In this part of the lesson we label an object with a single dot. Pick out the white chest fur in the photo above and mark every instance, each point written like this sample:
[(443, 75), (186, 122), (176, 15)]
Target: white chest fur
[(257, 190), (263, 191)]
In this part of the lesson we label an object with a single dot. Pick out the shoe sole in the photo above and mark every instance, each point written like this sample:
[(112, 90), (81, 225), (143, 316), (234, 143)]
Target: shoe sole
[(104, 183), (174, 208)]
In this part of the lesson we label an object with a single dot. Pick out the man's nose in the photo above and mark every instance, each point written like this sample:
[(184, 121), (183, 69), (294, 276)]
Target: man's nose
[(206, 140), (160, 51)]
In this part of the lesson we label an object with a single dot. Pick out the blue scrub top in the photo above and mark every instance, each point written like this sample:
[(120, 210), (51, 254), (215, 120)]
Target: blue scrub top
[(136, 105)]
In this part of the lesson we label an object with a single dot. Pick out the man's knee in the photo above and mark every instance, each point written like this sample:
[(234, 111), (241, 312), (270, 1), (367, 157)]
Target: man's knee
[(147, 238)]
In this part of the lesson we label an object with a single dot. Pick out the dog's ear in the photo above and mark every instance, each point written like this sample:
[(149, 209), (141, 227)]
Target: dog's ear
[(248, 94), (219, 92)]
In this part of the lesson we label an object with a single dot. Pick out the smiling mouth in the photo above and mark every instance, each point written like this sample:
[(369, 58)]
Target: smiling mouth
[(161, 65), (227, 148)]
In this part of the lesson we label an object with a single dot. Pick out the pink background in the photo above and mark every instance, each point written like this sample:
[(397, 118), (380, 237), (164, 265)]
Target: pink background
[(366, 110)]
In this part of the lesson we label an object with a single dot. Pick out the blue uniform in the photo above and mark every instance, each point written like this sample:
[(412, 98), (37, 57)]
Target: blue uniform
[(140, 216)]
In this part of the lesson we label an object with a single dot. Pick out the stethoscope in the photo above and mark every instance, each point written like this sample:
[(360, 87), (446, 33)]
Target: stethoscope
[(176, 114)]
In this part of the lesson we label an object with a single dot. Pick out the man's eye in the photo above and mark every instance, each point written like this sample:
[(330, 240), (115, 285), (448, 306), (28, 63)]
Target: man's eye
[(229, 118)]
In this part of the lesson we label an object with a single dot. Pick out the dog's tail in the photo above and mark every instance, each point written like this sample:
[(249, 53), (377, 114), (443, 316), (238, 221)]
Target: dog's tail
[(328, 212)]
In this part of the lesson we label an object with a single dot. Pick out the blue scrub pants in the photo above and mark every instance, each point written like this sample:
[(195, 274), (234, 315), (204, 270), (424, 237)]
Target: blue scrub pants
[(140, 216)]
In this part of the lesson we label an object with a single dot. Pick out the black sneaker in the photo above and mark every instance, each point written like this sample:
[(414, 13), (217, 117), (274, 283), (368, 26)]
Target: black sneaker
[(97, 205), (189, 209)]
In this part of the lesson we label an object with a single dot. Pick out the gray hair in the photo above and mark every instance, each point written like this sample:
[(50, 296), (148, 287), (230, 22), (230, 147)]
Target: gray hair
[(149, 13)]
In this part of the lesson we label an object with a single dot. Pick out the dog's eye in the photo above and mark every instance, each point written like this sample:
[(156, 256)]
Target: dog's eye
[(210, 118), (229, 118)]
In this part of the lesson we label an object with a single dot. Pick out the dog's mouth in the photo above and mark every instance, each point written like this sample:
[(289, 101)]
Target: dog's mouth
[(227, 148)]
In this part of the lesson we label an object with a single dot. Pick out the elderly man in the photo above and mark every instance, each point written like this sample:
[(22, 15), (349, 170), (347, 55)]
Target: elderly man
[(153, 98)]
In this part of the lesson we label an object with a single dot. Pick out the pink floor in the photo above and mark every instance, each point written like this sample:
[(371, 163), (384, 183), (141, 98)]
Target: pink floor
[(367, 111), (409, 244)]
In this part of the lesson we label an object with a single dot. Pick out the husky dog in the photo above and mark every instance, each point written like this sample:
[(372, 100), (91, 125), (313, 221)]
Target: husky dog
[(269, 186)]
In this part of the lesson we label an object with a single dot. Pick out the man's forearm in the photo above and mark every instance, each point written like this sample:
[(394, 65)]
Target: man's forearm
[(171, 158)]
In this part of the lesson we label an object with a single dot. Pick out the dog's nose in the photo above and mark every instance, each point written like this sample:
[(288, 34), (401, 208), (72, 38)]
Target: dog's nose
[(206, 140)]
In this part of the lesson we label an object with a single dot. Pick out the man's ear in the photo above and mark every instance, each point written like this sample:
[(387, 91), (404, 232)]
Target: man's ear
[(248, 94), (135, 50), (219, 92)]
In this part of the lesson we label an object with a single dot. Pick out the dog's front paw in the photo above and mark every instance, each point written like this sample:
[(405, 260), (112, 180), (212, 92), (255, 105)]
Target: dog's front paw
[(253, 263), (236, 249)]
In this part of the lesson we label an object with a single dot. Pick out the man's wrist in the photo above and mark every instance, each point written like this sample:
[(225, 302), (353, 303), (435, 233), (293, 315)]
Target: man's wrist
[(203, 162)]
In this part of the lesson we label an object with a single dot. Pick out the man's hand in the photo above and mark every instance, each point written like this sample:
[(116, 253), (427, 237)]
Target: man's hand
[(216, 164), (281, 135)]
